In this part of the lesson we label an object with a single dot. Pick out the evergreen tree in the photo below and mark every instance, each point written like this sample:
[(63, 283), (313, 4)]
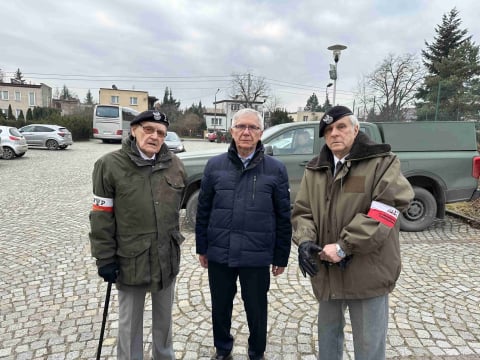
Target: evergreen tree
[(21, 117), (10, 115), (170, 106), (19, 76), (29, 115), (451, 87), (312, 104), (279, 117), (89, 98)]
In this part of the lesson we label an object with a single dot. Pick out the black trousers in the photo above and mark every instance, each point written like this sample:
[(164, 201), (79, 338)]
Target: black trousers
[(254, 284)]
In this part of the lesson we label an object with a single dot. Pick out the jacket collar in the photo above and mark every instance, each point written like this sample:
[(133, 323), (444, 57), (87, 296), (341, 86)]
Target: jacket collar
[(363, 147), (257, 156), (129, 145)]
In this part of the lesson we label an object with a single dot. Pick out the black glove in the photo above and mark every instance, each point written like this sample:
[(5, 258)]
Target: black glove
[(306, 257), (109, 272)]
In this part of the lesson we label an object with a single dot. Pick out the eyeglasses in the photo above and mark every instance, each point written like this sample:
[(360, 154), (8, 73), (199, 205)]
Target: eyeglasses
[(242, 127), (150, 130)]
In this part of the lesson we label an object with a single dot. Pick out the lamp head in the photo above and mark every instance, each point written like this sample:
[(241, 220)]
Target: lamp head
[(336, 51)]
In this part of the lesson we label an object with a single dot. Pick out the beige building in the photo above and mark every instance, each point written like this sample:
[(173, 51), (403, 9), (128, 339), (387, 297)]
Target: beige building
[(302, 116), (133, 99), (22, 97)]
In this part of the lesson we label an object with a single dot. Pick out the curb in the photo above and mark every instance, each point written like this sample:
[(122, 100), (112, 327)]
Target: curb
[(475, 223)]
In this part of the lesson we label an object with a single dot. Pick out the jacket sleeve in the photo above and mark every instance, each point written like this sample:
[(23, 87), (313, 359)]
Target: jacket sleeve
[(204, 208), (364, 233), (283, 238), (102, 216), (303, 224)]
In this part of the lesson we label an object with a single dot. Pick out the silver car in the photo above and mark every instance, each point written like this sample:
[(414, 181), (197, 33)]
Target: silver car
[(52, 137), (12, 142), (174, 143)]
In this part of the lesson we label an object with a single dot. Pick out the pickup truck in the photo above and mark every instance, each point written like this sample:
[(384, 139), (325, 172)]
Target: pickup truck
[(439, 159)]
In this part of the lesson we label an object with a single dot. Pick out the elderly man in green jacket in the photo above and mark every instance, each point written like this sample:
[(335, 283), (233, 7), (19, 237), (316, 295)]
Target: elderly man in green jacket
[(346, 223), (137, 192)]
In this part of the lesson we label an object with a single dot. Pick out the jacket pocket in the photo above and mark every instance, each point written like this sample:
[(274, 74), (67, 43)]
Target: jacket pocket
[(134, 258), (176, 239)]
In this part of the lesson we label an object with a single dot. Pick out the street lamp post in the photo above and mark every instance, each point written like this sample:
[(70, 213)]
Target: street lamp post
[(337, 49), (215, 113)]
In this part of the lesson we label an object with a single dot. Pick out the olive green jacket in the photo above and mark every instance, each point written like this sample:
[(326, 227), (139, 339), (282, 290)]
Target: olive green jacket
[(135, 217), (334, 210)]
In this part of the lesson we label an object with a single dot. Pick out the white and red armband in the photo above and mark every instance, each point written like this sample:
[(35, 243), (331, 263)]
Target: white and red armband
[(102, 204), (383, 213)]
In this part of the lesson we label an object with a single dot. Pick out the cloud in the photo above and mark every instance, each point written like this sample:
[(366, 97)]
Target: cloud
[(193, 47)]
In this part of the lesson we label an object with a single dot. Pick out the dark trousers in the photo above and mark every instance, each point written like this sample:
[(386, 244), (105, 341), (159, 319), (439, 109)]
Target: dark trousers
[(254, 284)]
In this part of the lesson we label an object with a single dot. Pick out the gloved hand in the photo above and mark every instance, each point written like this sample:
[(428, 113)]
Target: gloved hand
[(109, 272), (306, 257)]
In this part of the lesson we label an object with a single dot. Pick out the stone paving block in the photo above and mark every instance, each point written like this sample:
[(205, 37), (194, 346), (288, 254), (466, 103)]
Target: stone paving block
[(51, 303)]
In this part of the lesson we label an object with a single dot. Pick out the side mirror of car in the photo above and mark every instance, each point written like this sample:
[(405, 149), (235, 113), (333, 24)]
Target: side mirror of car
[(269, 150)]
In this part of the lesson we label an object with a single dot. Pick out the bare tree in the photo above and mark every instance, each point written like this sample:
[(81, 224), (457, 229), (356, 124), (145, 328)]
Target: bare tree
[(364, 98), (394, 84), (248, 89)]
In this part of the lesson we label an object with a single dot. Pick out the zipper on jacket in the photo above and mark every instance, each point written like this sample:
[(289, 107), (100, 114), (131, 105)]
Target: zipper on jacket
[(254, 186)]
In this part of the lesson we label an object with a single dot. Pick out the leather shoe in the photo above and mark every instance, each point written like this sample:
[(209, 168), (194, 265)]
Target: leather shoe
[(222, 357)]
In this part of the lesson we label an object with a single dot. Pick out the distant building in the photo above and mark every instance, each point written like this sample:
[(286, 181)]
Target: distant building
[(134, 99), (67, 107), (227, 108), (215, 119), (22, 97), (302, 115)]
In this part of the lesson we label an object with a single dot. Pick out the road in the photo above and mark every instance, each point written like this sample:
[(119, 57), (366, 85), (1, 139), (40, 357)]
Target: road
[(51, 298)]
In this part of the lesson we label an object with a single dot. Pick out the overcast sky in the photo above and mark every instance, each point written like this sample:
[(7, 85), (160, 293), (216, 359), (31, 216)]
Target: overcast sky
[(194, 47)]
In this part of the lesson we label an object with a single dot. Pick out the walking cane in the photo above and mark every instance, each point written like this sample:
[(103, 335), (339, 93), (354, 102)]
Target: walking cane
[(105, 314)]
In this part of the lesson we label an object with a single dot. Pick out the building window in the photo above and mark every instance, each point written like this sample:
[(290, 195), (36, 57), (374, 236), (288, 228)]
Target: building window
[(4, 95), (115, 99), (17, 113), (133, 101), (305, 117), (216, 121), (18, 96), (31, 99), (235, 107)]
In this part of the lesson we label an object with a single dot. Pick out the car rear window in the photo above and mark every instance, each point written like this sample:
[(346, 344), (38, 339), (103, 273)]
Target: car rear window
[(14, 132)]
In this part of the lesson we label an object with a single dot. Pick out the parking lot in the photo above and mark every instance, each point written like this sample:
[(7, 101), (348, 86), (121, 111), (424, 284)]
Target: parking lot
[(51, 298)]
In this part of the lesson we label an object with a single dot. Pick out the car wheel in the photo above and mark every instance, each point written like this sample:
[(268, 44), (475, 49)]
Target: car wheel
[(420, 213), (52, 144), (8, 153), (191, 210)]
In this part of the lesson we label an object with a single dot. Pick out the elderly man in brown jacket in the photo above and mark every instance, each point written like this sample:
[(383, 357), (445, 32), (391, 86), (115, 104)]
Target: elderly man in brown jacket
[(346, 223)]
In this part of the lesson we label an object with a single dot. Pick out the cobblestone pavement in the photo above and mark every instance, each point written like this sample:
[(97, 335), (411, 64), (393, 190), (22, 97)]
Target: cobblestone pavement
[(51, 299)]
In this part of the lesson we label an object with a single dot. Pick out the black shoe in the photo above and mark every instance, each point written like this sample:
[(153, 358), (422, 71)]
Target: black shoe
[(222, 357)]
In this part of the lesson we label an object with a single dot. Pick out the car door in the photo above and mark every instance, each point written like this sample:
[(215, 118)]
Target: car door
[(284, 146), (28, 133)]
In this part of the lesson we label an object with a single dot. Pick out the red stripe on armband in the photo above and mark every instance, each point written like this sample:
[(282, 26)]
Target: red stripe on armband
[(102, 204), (383, 213)]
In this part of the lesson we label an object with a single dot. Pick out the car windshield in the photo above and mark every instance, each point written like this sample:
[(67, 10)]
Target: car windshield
[(171, 136)]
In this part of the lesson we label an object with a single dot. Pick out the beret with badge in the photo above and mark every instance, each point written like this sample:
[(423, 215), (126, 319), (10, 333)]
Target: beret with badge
[(152, 116), (332, 115)]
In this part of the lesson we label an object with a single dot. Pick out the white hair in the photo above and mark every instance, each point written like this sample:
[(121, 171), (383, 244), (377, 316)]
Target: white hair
[(248, 111)]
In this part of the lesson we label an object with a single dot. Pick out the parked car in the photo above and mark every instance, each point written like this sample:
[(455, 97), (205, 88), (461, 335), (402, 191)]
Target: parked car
[(174, 143), (52, 137), (212, 136), (13, 143)]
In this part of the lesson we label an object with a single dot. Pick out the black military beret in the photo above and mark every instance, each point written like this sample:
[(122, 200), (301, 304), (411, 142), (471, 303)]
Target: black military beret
[(332, 115), (150, 115)]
